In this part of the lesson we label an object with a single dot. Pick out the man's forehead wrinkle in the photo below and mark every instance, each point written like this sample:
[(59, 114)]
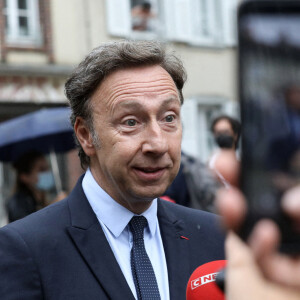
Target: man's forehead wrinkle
[(131, 90), (122, 85), (131, 84), (134, 104), (135, 92)]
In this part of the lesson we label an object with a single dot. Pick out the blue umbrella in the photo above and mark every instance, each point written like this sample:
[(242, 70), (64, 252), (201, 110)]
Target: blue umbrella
[(46, 130)]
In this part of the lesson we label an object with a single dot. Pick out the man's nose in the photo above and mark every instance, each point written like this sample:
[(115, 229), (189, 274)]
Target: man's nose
[(155, 139)]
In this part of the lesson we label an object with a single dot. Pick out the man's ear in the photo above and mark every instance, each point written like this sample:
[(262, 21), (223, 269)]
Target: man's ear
[(84, 136)]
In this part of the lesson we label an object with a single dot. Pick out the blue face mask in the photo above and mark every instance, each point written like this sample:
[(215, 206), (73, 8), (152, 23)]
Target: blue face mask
[(45, 181)]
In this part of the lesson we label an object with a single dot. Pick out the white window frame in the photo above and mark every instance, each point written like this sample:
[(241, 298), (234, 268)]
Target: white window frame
[(229, 10), (204, 29), (13, 36), (197, 138)]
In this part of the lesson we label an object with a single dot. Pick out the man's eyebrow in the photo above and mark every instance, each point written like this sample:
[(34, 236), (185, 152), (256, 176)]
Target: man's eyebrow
[(169, 101), (130, 105), (137, 106)]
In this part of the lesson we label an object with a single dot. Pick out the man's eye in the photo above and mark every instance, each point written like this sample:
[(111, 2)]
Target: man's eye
[(170, 118), (131, 122)]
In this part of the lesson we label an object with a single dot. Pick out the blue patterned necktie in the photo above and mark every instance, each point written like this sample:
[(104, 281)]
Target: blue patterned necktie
[(142, 270)]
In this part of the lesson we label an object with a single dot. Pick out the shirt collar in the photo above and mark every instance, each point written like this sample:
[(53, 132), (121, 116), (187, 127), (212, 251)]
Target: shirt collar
[(113, 215)]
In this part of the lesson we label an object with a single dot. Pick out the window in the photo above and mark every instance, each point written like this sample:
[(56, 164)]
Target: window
[(192, 21), (22, 22), (197, 115), (200, 22), (133, 18), (196, 22)]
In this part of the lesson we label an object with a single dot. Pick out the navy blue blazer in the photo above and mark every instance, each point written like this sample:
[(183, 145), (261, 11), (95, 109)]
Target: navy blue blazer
[(61, 252)]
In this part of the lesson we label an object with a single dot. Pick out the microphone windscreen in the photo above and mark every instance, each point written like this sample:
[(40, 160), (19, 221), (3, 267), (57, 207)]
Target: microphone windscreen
[(202, 283)]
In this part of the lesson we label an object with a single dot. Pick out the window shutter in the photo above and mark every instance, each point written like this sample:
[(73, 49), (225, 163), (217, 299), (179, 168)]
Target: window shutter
[(191, 21), (204, 27), (35, 27), (177, 16), (118, 17), (189, 117), (229, 12)]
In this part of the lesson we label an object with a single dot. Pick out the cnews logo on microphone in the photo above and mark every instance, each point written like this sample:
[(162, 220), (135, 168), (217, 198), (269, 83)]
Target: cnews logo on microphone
[(203, 280)]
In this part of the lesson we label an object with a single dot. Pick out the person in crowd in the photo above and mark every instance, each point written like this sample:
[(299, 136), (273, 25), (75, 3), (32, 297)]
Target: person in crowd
[(112, 237), (33, 180), (283, 156), (258, 270), (226, 132), (195, 185), (142, 17)]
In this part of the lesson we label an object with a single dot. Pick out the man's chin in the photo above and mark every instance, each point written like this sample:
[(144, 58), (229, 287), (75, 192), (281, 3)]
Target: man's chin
[(149, 196), (148, 191)]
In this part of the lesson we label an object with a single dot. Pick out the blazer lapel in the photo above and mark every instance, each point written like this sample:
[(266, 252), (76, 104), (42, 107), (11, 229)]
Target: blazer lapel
[(91, 242), (176, 251)]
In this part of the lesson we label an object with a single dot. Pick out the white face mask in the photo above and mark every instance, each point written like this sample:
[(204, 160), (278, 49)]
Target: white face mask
[(45, 181)]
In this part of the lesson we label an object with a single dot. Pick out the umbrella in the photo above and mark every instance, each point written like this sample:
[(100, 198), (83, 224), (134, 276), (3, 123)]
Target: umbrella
[(46, 130)]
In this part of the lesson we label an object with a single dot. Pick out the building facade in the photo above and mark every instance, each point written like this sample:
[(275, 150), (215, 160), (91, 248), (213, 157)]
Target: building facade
[(42, 40)]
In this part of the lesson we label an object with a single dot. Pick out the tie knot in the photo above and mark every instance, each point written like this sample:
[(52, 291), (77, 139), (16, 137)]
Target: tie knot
[(137, 225)]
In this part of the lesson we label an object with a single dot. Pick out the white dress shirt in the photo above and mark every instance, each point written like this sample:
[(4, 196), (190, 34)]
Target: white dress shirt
[(114, 219)]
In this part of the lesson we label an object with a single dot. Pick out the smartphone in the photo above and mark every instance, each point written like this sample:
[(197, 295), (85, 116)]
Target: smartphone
[(269, 92)]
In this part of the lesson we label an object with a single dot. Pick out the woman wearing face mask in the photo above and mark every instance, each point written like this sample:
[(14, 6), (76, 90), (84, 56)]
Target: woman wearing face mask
[(226, 132), (33, 179)]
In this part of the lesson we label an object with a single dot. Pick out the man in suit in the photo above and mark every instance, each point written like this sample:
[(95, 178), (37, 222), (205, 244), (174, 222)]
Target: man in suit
[(125, 98)]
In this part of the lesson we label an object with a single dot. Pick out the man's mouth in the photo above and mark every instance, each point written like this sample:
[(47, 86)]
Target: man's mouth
[(149, 170), (149, 173)]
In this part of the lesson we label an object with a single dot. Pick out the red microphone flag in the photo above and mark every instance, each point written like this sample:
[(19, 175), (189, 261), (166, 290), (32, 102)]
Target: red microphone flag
[(202, 284)]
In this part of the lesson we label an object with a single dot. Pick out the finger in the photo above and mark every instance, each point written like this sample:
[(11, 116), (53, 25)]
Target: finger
[(277, 267), (282, 269), (264, 239), (242, 272), (291, 203), (231, 205), (228, 166), (237, 252)]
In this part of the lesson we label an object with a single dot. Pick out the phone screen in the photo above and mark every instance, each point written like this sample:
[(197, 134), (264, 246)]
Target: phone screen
[(269, 60)]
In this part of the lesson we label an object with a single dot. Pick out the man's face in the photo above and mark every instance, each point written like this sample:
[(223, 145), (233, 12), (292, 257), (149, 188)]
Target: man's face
[(136, 116)]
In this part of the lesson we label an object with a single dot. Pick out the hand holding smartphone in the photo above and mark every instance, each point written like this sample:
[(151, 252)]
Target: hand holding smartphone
[(269, 88)]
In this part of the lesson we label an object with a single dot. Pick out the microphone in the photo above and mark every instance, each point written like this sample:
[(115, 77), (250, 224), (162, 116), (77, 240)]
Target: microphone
[(202, 283)]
